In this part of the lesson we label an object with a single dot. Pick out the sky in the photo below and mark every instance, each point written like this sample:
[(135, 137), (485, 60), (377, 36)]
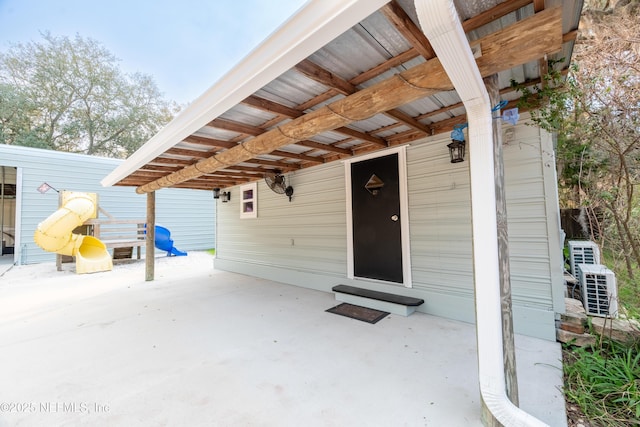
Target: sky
[(185, 45)]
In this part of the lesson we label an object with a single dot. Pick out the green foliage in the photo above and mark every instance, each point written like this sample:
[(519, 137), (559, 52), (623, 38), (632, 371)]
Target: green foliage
[(605, 383), (558, 106), (70, 95), (594, 113), (550, 101), (628, 286), (16, 126)]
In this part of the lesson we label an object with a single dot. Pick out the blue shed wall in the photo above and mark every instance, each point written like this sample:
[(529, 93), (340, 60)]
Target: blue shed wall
[(188, 214)]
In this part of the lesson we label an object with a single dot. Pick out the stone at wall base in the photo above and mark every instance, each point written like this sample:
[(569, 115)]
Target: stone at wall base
[(619, 330), (580, 340)]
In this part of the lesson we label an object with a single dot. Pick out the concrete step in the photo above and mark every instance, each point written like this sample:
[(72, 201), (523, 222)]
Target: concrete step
[(397, 304)]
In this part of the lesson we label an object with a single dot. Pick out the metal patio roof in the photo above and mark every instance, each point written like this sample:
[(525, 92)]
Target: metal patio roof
[(339, 79)]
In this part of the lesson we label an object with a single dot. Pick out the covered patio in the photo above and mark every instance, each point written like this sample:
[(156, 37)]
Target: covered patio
[(343, 82), (221, 349)]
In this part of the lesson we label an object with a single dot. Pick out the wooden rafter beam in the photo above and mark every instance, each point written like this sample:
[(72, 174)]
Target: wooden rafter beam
[(130, 183), (231, 172), (414, 35), (409, 121), (500, 51), (395, 61), (325, 77), (538, 5), (149, 167), (273, 107), (206, 187), (275, 121), (362, 136), (188, 153), (297, 156), (344, 87), (171, 161), (571, 36), (210, 142), (228, 145), (235, 127), (319, 99), (498, 11), (441, 126), (147, 174), (341, 86), (503, 91), (272, 164), (248, 169), (325, 147), (206, 179), (460, 104), (494, 13), (237, 176)]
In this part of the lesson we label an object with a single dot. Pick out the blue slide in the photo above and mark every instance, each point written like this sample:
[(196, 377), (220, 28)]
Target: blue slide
[(163, 242)]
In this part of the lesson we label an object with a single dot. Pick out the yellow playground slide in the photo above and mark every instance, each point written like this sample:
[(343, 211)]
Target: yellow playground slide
[(54, 234)]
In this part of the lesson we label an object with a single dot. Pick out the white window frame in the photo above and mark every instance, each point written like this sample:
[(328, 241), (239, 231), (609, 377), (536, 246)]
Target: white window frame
[(247, 201)]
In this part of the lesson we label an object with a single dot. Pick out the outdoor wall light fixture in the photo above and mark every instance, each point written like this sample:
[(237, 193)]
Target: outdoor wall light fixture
[(457, 145), (216, 193), (226, 196)]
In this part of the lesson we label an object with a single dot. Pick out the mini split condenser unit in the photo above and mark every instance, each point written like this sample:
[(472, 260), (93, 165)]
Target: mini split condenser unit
[(582, 252), (599, 291)]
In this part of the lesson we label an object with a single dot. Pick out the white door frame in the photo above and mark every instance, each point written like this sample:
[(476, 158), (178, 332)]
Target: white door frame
[(404, 213)]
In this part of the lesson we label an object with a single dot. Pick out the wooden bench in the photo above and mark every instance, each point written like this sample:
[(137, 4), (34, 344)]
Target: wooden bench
[(119, 233), (393, 303)]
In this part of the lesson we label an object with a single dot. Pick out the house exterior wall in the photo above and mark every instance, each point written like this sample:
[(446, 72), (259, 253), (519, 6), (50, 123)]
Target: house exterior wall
[(304, 242), (188, 214)]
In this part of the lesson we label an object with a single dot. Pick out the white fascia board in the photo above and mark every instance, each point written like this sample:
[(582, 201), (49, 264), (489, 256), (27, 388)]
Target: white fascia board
[(315, 24)]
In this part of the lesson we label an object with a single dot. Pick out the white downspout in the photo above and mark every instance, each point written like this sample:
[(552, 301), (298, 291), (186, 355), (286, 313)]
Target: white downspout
[(441, 24)]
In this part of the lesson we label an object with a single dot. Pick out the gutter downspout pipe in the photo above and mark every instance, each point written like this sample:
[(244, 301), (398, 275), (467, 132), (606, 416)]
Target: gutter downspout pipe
[(441, 24)]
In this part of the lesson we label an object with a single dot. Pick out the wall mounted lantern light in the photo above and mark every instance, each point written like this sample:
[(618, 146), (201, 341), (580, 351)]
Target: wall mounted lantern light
[(216, 193), (226, 196), (457, 145)]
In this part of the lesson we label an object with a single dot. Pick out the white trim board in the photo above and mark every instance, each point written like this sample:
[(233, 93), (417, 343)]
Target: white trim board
[(404, 213)]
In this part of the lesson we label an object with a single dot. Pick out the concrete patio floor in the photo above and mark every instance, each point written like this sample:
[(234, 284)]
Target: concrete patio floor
[(6, 263), (200, 347)]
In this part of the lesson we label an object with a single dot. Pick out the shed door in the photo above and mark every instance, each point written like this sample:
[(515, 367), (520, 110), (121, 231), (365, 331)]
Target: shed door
[(376, 219)]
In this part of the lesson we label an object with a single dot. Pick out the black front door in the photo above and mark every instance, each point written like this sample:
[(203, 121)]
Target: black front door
[(375, 198)]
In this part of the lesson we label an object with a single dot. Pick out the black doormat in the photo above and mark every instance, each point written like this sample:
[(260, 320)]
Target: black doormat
[(365, 314)]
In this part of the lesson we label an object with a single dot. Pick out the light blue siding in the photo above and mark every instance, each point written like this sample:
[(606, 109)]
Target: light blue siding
[(304, 242), (305, 234), (188, 214)]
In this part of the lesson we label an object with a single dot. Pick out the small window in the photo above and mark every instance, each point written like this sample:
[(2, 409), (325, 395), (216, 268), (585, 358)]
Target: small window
[(249, 201)]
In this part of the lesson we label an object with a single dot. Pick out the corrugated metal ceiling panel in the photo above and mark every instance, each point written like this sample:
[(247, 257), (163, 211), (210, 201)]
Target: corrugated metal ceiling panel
[(370, 53), (363, 47), (248, 115)]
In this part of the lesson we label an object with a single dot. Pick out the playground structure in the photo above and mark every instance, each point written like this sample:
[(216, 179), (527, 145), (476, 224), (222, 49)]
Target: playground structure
[(75, 230), (125, 234), (121, 235), (163, 242), (55, 234)]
